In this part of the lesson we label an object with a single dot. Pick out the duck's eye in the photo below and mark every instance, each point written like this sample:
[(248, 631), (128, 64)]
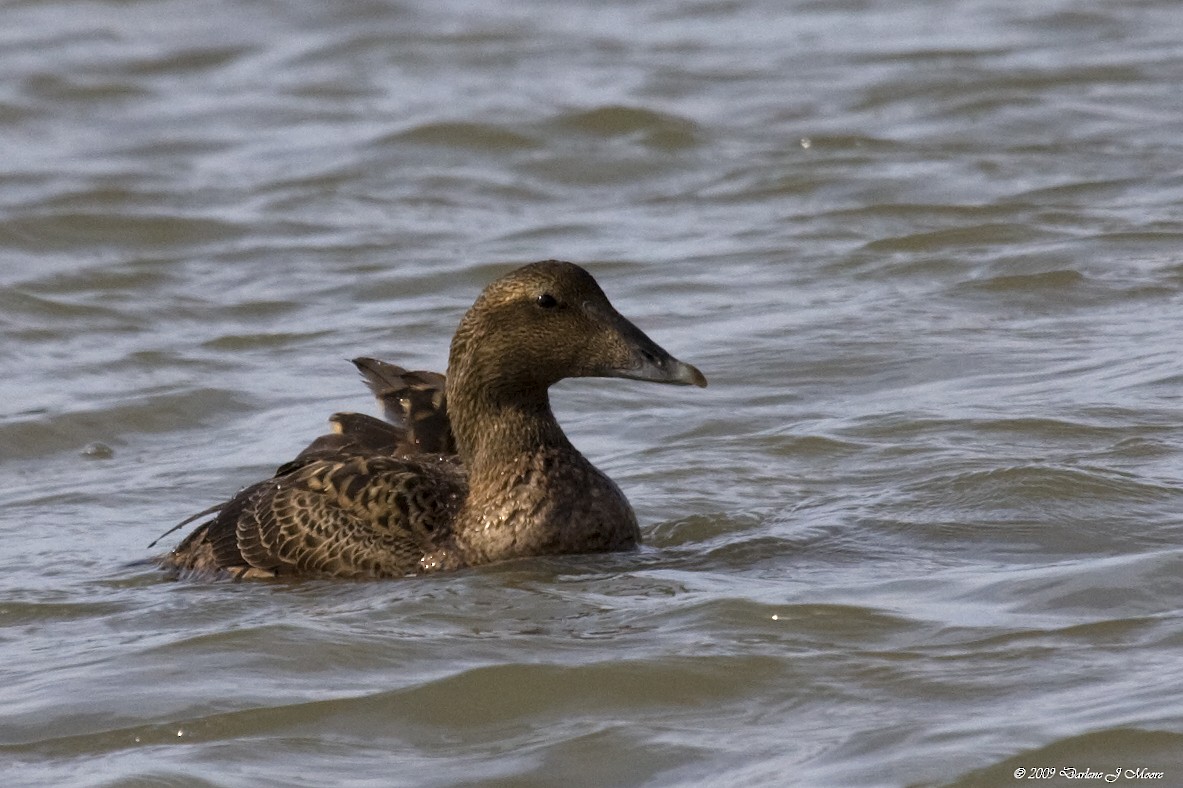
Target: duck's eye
[(546, 301)]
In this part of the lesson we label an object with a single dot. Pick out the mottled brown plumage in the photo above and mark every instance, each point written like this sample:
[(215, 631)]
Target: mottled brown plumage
[(472, 468)]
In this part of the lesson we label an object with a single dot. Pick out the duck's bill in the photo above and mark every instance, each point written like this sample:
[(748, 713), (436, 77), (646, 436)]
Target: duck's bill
[(625, 351), (649, 361), (666, 370)]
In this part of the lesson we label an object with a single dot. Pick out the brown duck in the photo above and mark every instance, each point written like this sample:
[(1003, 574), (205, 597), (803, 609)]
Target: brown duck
[(473, 468)]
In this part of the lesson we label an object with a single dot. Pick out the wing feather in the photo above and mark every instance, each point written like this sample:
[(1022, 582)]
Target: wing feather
[(357, 517)]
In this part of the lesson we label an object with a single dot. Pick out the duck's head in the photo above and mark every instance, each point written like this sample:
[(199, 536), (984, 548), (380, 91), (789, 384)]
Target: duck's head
[(547, 321)]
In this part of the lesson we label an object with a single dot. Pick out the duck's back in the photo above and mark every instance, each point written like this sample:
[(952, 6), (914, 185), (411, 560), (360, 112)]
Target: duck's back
[(360, 516)]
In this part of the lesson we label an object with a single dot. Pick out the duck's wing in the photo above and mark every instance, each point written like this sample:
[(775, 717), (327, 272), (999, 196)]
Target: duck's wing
[(352, 435), (375, 516), (415, 404), (414, 400)]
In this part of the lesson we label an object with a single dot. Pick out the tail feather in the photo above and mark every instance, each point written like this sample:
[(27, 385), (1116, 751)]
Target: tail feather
[(414, 399)]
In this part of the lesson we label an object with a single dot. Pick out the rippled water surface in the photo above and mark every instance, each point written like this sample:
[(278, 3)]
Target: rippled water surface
[(923, 528)]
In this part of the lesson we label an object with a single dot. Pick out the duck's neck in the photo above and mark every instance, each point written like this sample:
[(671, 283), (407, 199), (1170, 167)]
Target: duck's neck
[(499, 411), (492, 432), (530, 492)]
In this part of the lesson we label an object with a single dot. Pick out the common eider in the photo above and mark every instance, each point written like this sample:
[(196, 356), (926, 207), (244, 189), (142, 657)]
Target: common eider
[(472, 467)]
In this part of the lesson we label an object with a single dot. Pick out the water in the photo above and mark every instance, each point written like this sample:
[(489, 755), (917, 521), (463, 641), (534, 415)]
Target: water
[(923, 528)]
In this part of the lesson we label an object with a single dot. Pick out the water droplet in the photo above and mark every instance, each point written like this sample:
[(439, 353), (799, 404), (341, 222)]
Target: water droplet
[(97, 451)]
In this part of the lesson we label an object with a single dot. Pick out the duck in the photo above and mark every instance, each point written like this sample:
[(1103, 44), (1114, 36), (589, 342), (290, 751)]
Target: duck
[(468, 468)]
